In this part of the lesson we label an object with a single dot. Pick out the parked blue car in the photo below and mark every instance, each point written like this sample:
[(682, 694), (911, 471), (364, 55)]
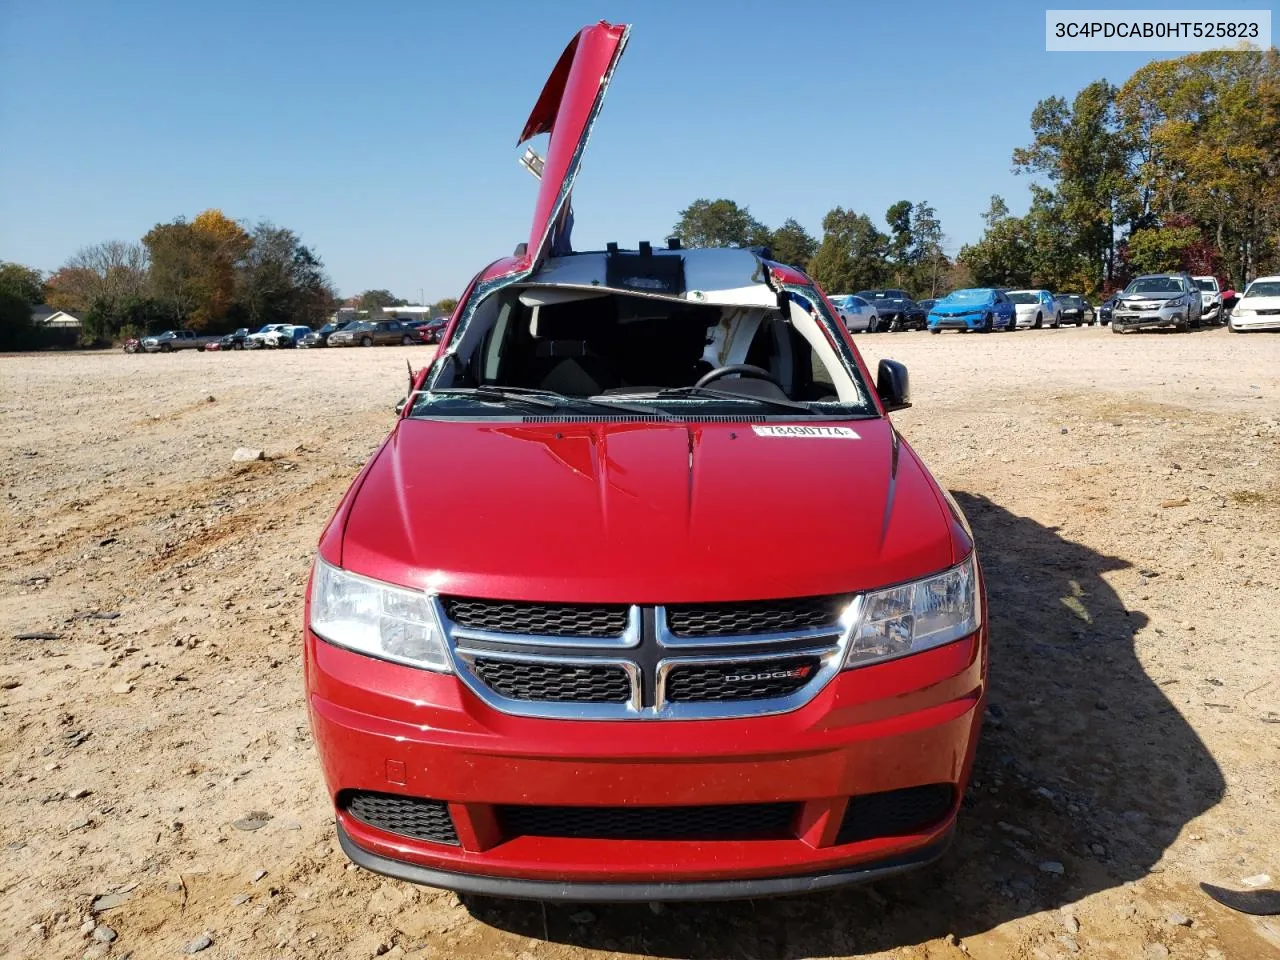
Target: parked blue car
[(979, 308)]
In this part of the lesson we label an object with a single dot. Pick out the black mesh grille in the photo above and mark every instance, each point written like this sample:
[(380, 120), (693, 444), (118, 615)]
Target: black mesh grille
[(895, 812), (554, 682), (703, 683), (415, 817), (742, 821), (754, 616), (546, 619)]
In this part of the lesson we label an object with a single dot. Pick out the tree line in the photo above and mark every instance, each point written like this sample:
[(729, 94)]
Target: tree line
[(211, 273), (1177, 169)]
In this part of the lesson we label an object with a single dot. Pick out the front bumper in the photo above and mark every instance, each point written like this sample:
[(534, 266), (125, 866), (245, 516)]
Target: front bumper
[(588, 892), (955, 323), (1254, 321), (385, 728), (1136, 320)]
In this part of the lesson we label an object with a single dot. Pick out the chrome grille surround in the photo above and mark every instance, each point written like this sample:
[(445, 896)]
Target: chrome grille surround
[(650, 653)]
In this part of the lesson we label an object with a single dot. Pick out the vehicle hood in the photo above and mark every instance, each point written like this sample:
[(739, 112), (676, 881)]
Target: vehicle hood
[(1257, 303), (645, 513)]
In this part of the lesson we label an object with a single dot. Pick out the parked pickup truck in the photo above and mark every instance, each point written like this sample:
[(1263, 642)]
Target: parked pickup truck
[(172, 340)]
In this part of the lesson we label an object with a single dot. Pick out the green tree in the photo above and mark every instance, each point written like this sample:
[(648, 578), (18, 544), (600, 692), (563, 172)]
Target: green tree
[(1156, 249), (108, 320), (1207, 129), (1002, 258), (901, 241), (445, 307), (1055, 259), (792, 244), (377, 299), (180, 278), (1081, 149), (26, 283), (997, 210), (852, 255), (931, 263), (719, 223), (16, 331), (282, 280)]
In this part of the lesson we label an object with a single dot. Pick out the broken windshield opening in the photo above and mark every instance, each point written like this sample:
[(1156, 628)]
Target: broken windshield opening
[(613, 349)]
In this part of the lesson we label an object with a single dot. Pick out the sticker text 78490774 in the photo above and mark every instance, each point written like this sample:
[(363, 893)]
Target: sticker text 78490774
[(804, 430)]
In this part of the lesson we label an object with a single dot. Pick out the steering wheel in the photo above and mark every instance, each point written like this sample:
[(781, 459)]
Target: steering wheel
[(741, 369)]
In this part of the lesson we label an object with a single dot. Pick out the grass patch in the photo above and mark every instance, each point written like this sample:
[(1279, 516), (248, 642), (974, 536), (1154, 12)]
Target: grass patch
[(1251, 498)]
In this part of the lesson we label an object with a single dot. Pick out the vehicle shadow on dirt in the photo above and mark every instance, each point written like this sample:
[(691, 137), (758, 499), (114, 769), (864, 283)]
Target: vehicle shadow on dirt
[(1084, 766)]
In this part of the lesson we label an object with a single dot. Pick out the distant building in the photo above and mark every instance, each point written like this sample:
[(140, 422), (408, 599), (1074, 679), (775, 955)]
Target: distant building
[(407, 313), (45, 316)]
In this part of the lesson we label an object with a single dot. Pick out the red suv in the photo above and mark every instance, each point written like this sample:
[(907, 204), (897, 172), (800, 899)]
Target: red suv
[(693, 621)]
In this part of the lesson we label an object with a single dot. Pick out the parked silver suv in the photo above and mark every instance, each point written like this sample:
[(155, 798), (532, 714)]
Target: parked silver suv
[(1158, 300)]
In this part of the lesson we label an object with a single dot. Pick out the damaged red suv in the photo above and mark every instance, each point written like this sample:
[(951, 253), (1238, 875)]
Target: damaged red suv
[(643, 597)]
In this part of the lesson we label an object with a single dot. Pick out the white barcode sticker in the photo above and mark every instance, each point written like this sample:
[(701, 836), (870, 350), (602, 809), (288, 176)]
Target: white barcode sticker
[(812, 431)]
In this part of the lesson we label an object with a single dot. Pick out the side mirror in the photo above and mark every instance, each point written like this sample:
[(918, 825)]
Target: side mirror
[(893, 386), (400, 406)]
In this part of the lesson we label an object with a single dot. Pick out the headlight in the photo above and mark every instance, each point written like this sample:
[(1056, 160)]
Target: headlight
[(916, 616), (1243, 311), (1175, 302), (376, 619)]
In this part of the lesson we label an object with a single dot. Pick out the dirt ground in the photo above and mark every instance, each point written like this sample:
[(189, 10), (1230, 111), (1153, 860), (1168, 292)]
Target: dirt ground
[(1125, 496)]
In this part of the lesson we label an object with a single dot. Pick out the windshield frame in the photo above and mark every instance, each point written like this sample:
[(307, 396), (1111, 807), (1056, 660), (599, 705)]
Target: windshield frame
[(1272, 285), (744, 408), (958, 298), (1132, 290)]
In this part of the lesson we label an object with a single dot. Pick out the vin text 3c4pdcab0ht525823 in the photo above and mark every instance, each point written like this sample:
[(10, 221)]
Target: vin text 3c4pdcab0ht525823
[(643, 597)]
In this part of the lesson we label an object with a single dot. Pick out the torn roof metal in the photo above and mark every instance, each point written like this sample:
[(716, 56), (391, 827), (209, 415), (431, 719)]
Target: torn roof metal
[(728, 277)]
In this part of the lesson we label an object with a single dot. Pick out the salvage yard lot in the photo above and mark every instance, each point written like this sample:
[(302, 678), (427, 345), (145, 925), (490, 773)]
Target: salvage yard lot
[(1125, 497)]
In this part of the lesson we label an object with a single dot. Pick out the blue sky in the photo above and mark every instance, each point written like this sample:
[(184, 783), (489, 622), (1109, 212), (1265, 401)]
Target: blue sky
[(384, 132)]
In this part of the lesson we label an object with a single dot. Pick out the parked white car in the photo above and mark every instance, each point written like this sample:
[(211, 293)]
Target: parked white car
[(266, 336), (1210, 299), (857, 314), (289, 335), (1258, 308), (1036, 308)]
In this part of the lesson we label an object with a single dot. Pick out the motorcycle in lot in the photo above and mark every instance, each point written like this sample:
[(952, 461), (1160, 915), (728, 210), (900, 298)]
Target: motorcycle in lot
[(132, 345)]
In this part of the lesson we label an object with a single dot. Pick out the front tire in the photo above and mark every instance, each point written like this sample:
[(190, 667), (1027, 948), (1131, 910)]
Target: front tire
[(366, 341), (934, 330), (988, 323), (1039, 324), (406, 340)]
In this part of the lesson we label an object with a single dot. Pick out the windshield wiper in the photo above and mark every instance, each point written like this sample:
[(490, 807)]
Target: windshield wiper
[(535, 398), (548, 399), (696, 391)]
